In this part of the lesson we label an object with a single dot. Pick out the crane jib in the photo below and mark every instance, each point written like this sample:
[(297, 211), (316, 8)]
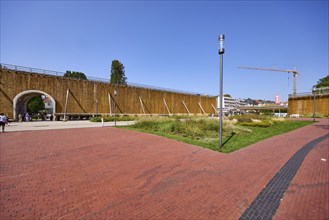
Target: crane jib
[(295, 73)]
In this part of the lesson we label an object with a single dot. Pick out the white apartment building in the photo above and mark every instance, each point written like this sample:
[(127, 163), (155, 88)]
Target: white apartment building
[(231, 104)]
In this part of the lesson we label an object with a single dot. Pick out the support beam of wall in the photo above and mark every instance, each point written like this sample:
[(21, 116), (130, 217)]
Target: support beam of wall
[(140, 100), (77, 101), (66, 102), (95, 98), (111, 97), (214, 108), (164, 101), (110, 103), (201, 108), (186, 107), (96, 103)]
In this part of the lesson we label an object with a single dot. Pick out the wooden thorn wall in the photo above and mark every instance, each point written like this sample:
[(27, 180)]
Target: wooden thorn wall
[(93, 97)]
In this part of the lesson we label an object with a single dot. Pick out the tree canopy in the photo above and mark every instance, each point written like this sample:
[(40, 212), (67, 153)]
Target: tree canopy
[(323, 82), (35, 104), (118, 73), (74, 74)]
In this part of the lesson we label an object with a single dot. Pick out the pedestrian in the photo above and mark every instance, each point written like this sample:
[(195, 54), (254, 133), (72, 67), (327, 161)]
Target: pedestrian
[(27, 117), (3, 121), (20, 118)]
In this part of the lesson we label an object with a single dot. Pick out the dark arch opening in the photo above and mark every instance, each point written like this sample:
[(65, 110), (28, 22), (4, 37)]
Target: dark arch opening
[(21, 100)]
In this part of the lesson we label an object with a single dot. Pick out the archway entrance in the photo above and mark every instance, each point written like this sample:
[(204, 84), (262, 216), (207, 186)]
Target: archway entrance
[(21, 100)]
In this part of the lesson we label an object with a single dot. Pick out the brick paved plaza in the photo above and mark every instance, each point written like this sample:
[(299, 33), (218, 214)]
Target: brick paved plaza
[(113, 173)]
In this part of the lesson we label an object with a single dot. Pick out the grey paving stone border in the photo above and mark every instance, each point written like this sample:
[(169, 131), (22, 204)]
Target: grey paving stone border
[(268, 200)]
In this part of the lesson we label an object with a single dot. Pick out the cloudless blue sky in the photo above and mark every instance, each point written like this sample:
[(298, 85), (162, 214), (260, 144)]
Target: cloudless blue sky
[(174, 44)]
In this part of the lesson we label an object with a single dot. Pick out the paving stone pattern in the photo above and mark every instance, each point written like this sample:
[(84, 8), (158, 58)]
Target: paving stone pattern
[(112, 173), (267, 202), (309, 188)]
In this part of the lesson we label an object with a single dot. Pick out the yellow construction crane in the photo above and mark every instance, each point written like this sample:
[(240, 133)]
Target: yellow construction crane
[(294, 72)]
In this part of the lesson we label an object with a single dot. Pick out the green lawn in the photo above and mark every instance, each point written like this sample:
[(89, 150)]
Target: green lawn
[(204, 132)]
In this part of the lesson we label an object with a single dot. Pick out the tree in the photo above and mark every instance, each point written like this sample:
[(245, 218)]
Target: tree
[(228, 95), (118, 73), (75, 74), (35, 105), (323, 82)]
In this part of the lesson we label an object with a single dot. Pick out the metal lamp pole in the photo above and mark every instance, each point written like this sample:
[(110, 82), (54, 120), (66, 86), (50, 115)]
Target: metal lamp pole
[(314, 108), (115, 107), (221, 52)]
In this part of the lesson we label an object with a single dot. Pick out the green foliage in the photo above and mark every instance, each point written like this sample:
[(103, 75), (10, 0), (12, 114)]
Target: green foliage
[(263, 124), (74, 74), (35, 104), (323, 82), (118, 73), (249, 117), (317, 115), (255, 120), (108, 118), (204, 132), (244, 119), (192, 128)]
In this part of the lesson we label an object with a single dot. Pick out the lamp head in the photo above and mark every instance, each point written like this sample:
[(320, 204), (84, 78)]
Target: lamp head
[(221, 43)]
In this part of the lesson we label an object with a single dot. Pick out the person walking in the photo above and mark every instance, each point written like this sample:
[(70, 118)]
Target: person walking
[(20, 118), (27, 117), (3, 121)]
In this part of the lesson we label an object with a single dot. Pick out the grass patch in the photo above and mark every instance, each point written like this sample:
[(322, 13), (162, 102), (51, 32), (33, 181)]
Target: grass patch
[(108, 118), (203, 132), (259, 133), (317, 115)]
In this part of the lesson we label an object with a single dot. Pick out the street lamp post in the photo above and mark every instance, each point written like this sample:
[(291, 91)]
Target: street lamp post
[(115, 107), (314, 102), (221, 52)]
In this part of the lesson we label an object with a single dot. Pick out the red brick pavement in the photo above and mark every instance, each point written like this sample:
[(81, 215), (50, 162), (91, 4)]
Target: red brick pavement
[(113, 173), (307, 195)]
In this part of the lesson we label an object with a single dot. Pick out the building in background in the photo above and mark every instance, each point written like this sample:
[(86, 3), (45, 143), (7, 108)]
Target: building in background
[(48, 105), (231, 105)]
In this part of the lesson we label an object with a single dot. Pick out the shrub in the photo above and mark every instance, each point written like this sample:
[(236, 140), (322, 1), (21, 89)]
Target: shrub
[(195, 128), (317, 115), (263, 124), (108, 118), (255, 120)]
